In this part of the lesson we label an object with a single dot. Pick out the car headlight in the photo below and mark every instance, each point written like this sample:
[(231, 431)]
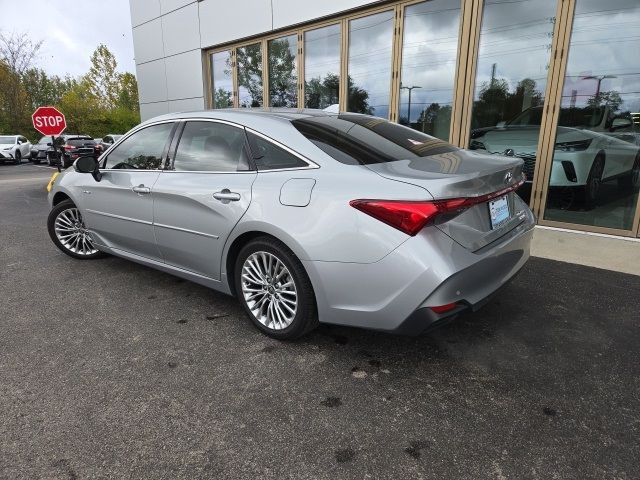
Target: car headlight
[(7, 148), (575, 146)]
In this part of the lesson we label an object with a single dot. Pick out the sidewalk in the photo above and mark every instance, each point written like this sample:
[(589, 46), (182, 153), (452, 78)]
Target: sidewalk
[(591, 249)]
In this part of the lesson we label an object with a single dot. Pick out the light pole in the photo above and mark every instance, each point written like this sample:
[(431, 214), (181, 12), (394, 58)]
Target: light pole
[(599, 78), (409, 107)]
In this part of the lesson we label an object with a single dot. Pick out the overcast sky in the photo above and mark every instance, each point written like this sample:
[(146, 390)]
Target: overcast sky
[(71, 30)]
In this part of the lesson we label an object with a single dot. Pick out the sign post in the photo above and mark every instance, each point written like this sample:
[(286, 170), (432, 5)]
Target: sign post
[(49, 121)]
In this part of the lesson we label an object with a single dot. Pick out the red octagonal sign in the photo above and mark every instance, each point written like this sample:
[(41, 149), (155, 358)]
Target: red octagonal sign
[(49, 121)]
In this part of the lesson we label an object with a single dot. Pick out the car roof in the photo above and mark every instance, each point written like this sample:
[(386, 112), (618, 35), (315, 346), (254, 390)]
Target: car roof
[(247, 116)]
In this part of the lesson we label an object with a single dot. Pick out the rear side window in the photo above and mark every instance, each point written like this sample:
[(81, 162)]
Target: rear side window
[(142, 150), (211, 147), (269, 156), (363, 140)]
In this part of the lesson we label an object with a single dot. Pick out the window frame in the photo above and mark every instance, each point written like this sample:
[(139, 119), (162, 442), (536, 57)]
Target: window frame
[(102, 160), (310, 164)]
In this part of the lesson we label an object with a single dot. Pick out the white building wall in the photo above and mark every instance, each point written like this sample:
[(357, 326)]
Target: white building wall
[(170, 35)]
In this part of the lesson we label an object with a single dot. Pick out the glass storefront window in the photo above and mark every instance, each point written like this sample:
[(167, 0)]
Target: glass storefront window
[(595, 173), (221, 79), (429, 49), (322, 67), (249, 64), (513, 61), (369, 66), (283, 72)]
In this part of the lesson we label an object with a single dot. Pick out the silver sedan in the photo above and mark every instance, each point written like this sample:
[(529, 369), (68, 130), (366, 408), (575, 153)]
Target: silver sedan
[(304, 215)]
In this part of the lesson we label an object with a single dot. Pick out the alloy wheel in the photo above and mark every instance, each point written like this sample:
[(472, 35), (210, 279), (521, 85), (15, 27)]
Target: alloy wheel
[(269, 290), (72, 233)]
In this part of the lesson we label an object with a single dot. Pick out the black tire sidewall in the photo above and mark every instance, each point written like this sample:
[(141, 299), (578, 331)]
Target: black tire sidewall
[(51, 220), (306, 316), (590, 202)]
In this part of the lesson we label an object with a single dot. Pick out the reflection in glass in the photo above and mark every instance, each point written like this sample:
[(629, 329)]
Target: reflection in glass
[(429, 48), (322, 67), (370, 50), (249, 61), (221, 79), (595, 173), (513, 59), (283, 73)]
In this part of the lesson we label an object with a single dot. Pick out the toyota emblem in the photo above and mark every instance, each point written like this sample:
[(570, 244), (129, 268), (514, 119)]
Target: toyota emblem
[(508, 177)]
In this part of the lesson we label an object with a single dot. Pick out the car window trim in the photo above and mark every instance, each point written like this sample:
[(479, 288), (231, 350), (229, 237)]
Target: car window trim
[(174, 148), (102, 161)]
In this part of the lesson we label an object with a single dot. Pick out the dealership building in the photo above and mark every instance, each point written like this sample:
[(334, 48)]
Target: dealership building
[(554, 82)]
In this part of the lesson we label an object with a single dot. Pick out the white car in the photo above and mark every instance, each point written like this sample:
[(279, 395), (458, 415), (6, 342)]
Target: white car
[(590, 148), (14, 148)]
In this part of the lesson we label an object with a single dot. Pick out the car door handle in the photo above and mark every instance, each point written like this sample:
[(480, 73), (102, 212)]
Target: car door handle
[(227, 195), (141, 189)]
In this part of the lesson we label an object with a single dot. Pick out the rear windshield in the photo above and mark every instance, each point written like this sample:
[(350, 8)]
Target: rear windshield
[(78, 142), (363, 140)]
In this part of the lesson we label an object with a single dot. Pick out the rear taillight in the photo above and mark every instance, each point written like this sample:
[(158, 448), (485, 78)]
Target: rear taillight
[(68, 147), (412, 216)]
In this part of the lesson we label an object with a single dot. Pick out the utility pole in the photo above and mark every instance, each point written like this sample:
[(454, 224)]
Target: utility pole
[(409, 107)]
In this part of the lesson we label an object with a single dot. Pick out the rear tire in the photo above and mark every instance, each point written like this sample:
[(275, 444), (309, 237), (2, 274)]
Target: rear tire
[(593, 182), (68, 232), (274, 289)]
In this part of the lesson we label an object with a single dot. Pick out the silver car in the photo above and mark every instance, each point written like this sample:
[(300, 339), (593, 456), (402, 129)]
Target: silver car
[(305, 216)]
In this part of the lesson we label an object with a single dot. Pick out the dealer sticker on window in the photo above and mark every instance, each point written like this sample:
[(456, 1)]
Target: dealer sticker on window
[(499, 211)]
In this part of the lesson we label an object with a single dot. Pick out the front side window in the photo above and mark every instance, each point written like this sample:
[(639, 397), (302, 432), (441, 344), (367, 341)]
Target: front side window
[(269, 156), (142, 150), (211, 147)]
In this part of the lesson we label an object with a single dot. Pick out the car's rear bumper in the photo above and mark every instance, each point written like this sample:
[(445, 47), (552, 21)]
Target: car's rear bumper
[(429, 270)]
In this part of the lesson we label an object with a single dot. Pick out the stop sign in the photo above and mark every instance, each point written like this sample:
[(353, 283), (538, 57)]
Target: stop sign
[(49, 121)]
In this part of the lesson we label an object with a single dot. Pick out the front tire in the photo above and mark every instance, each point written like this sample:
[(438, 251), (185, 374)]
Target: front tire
[(592, 188), (274, 289), (17, 159), (68, 232)]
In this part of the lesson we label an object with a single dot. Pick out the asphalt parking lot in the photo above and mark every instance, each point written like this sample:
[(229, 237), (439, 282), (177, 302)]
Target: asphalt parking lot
[(111, 369)]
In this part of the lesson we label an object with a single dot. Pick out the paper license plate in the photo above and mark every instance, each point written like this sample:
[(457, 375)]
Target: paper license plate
[(499, 211)]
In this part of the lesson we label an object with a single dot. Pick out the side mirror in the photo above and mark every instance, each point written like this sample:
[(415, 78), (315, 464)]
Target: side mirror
[(620, 122), (88, 165), (49, 144)]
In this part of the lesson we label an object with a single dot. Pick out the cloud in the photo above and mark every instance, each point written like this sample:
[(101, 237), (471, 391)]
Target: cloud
[(71, 30)]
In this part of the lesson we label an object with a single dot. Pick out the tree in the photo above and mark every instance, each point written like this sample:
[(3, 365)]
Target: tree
[(610, 99), (222, 98), (323, 92), (249, 60), (282, 78), (103, 79), (17, 54), (127, 92), (43, 89)]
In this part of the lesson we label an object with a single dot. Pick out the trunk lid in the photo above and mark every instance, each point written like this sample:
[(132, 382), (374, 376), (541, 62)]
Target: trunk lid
[(463, 174)]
